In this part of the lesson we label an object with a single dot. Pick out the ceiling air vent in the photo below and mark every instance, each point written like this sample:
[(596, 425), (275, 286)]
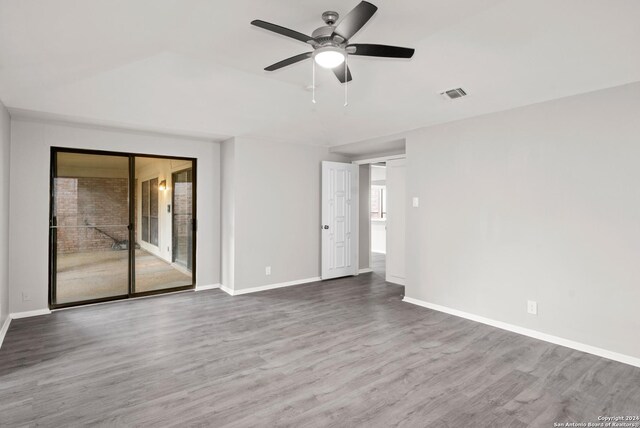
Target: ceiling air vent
[(452, 94)]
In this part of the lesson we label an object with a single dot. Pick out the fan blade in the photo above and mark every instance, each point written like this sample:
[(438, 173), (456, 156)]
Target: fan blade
[(339, 72), (289, 61), (381, 51), (355, 20), (282, 30)]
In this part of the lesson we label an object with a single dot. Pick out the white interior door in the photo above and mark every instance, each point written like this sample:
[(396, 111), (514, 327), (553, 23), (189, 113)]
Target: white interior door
[(339, 219), (396, 211)]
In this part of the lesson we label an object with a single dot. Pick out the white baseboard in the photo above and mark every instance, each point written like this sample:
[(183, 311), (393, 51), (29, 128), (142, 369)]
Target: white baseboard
[(365, 270), (395, 280), (226, 289), (627, 359), (207, 287), (4, 329), (27, 314), (236, 292)]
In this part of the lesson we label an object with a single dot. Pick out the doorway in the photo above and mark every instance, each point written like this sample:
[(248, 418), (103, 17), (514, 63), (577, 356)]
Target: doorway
[(378, 217), (382, 249), (112, 226)]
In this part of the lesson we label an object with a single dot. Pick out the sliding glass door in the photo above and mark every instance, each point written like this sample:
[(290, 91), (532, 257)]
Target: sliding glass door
[(90, 227), (162, 196), (120, 226)]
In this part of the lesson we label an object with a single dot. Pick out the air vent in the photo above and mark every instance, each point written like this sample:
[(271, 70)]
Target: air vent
[(452, 94)]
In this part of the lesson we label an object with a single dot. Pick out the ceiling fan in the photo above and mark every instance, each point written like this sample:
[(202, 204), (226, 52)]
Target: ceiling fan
[(331, 42)]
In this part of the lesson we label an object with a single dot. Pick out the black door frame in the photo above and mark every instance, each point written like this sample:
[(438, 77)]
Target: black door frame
[(131, 269)]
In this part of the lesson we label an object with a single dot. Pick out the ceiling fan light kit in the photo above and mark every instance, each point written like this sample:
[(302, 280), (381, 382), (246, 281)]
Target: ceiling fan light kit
[(329, 56), (330, 43)]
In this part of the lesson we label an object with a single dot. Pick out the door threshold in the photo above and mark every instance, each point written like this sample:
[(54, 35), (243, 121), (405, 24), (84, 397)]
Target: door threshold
[(129, 299)]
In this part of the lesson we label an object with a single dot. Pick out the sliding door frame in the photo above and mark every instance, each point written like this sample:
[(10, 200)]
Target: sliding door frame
[(131, 227), (194, 223)]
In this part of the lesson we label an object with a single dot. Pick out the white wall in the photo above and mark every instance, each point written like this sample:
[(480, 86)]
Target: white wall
[(228, 212), (276, 211), (29, 202), (5, 143), (396, 180), (539, 203), (379, 236), (364, 230), (378, 175)]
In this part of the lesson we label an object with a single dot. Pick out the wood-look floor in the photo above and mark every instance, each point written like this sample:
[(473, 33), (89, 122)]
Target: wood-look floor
[(340, 353)]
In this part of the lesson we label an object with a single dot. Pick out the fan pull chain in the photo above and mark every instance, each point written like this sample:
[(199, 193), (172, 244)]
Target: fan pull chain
[(313, 84), (346, 82)]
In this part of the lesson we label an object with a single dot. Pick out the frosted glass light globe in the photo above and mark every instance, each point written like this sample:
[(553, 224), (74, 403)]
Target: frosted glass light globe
[(329, 57)]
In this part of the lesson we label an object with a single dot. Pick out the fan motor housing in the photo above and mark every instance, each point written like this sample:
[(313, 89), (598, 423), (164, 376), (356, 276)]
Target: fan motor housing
[(323, 37)]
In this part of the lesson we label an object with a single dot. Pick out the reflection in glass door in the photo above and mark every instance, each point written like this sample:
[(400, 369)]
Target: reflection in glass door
[(89, 227), (164, 235)]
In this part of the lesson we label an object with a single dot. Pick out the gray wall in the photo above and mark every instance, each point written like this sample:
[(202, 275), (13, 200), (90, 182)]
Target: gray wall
[(5, 143), (29, 201), (364, 235), (539, 203), (276, 211), (227, 153)]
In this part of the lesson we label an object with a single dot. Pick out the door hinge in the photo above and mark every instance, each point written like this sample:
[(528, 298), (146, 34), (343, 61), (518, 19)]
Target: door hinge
[(194, 224)]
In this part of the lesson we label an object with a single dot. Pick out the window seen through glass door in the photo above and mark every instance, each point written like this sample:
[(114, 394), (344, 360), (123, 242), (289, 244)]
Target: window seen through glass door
[(149, 201)]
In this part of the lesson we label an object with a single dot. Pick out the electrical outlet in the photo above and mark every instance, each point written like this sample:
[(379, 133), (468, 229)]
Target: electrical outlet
[(26, 297), (415, 202), (532, 307), (267, 270)]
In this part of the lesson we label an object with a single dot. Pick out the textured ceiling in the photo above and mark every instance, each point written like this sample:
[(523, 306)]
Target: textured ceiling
[(196, 66)]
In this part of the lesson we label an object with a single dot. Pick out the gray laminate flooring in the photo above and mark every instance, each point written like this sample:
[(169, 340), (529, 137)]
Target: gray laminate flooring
[(378, 263), (342, 353)]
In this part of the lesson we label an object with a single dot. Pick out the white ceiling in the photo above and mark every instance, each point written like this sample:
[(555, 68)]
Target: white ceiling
[(196, 66)]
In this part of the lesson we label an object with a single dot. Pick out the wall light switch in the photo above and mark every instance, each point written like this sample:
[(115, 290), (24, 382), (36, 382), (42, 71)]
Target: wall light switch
[(26, 297), (416, 202), (267, 270), (532, 307)]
